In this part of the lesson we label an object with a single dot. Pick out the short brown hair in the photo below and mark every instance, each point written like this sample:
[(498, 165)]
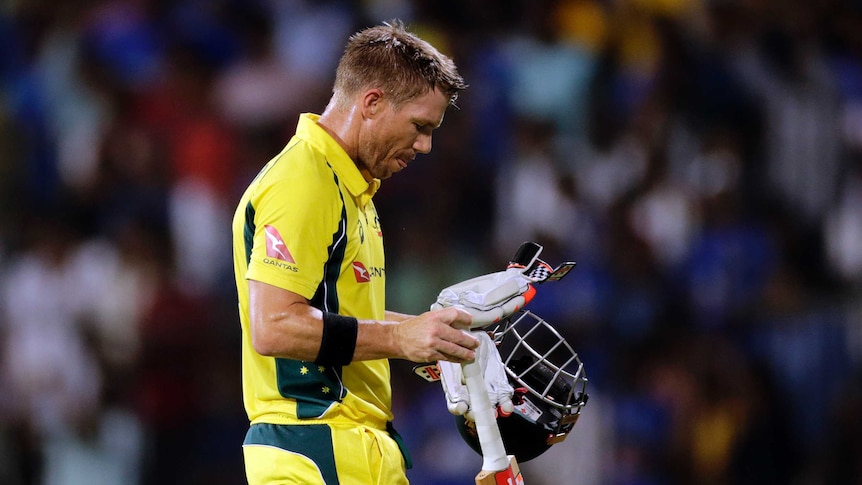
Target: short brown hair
[(398, 62)]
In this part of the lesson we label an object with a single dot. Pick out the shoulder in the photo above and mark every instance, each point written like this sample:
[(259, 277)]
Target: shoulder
[(299, 168)]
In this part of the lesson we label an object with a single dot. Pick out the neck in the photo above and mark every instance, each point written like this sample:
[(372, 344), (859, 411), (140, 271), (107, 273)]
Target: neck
[(343, 126)]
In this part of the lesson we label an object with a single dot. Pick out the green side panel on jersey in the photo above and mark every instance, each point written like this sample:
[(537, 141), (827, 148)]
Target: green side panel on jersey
[(314, 387)]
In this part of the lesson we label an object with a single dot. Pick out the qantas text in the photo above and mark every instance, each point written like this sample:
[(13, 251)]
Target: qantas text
[(280, 264)]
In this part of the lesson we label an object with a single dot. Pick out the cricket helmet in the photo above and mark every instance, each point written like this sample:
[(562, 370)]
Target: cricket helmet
[(550, 387)]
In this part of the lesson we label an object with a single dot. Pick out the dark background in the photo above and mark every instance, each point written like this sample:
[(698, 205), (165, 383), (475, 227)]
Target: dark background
[(699, 159)]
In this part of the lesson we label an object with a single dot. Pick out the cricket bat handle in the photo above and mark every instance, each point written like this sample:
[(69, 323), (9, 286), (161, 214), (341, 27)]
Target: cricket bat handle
[(494, 457)]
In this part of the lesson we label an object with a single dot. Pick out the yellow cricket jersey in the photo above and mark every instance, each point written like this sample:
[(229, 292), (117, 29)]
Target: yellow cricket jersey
[(307, 224)]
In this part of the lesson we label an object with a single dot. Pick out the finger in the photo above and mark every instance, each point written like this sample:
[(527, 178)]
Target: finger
[(513, 305), (461, 338), (505, 406), (457, 318), (487, 317), (457, 408), (455, 353), (458, 346)]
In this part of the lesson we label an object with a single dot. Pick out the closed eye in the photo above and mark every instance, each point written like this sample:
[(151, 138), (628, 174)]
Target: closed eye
[(423, 128)]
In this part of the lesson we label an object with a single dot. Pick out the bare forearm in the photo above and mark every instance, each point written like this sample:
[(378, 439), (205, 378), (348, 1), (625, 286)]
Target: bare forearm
[(298, 335), (397, 317), (300, 338), (376, 340), (284, 325)]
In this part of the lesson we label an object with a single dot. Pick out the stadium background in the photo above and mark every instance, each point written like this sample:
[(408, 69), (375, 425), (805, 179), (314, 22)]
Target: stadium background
[(699, 159)]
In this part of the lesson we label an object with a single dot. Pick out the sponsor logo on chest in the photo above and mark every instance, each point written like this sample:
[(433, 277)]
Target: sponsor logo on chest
[(364, 274)]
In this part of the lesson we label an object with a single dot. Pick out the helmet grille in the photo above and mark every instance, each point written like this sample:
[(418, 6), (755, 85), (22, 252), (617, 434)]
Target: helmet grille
[(538, 358)]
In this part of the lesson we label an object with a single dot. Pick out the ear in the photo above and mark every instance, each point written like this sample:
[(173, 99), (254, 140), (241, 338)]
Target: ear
[(372, 103)]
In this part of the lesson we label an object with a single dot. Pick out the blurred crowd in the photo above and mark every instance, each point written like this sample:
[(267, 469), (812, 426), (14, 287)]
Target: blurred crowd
[(701, 161)]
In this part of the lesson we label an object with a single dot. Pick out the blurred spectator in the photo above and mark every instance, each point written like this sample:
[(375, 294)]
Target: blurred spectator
[(45, 314), (843, 229), (250, 93), (202, 151)]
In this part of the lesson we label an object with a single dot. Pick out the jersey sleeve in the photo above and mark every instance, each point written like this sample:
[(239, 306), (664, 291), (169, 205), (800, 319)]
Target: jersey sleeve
[(297, 211)]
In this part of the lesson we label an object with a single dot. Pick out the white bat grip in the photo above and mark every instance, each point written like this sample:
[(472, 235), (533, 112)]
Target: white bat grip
[(493, 453)]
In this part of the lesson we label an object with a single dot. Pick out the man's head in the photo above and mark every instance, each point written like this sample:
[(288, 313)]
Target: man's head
[(396, 61), (391, 90)]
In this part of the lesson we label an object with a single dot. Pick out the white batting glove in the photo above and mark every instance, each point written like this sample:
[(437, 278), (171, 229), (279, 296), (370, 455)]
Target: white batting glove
[(496, 382), (489, 298)]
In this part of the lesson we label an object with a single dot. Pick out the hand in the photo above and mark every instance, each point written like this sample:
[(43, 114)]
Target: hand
[(496, 382), (489, 298), (437, 335)]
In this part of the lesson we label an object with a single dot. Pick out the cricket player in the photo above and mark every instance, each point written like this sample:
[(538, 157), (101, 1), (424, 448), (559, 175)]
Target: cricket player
[(310, 273)]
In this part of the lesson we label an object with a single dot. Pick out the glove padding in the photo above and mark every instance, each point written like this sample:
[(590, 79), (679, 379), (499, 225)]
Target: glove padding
[(494, 372), (489, 298)]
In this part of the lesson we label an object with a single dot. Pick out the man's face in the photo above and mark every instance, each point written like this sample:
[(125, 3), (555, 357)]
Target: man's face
[(392, 138)]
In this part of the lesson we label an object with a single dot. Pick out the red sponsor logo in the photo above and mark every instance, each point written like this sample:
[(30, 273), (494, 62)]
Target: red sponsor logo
[(508, 477), (361, 273), (433, 372), (275, 247)]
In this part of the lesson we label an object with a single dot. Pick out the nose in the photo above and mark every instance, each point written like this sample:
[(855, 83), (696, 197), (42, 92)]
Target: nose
[(422, 144)]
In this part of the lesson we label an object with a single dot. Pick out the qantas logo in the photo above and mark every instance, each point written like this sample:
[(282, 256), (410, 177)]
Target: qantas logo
[(364, 275), (275, 247), (361, 273)]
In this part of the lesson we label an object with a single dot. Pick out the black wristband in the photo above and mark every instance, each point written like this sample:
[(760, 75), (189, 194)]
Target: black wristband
[(338, 341)]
